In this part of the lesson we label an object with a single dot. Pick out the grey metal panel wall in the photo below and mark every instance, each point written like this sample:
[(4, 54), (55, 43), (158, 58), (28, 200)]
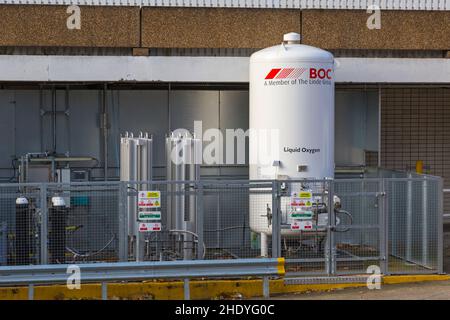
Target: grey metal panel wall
[(187, 106), (372, 121), (7, 134), (27, 122), (145, 111), (356, 126), (79, 131), (84, 106), (233, 114)]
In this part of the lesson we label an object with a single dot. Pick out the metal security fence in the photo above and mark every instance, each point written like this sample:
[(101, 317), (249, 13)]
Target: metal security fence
[(394, 223)]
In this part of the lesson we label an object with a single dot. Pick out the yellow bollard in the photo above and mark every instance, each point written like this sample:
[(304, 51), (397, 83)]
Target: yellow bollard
[(419, 166)]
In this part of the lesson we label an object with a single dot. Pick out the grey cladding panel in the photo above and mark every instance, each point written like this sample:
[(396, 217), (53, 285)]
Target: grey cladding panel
[(28, 127), (356, 125), (84, 125), (7, 134), (145, 111), (234, 115), (188, 106)]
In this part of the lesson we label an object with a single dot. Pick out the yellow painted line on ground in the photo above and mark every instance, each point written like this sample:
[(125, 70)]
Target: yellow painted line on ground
[(206, 289)]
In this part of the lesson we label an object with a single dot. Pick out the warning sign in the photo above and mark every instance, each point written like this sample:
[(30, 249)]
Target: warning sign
[(301, 199), (149, 215), (306, 225), (149, 226), (149, 199)]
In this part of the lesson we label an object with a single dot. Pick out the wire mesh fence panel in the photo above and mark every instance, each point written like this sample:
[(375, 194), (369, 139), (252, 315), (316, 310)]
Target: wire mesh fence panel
[(358, 231), (319, 226), (236, 215), (19, 225), (304, 209), (413, 228), (83, 223), (163, 221)]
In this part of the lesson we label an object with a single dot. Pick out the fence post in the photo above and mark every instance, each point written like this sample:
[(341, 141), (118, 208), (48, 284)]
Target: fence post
[(199, 221), (384, 227), (104, 291), (329, 243), (266, 287), (186, 289), (440, 217), (44, 224), (409, 197), (425, 222), (31, 291), (276, 221), (123, 222)]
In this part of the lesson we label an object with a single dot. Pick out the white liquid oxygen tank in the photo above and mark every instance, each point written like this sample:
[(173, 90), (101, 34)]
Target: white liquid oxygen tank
[(291, 118)]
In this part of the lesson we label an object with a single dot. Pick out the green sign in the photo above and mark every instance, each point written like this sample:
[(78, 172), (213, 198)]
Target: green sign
[(302, 215), (150, 215)]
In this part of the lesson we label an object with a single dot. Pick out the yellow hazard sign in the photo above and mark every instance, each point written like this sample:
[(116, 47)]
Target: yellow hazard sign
[(153, 194), (305, 195)]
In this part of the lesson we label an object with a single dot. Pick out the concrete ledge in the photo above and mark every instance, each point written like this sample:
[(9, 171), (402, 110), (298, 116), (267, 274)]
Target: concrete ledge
[(216, 27), (208, 289), (204, 69), (34, 25), (400, 30)]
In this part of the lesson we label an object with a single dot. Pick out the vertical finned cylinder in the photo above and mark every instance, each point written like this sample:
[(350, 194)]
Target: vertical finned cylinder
[(57, 233)]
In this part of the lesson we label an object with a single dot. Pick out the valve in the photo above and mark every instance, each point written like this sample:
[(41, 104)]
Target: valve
[(268, 215)]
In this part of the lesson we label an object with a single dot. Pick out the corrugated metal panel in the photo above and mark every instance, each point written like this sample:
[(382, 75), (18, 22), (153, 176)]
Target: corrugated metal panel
[(277, 4)]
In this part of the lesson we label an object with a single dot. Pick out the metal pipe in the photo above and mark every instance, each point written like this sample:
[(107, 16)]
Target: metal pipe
[(41, 113), (105, 131), (424, 223), (264, 247), (409, 200), (54, 118)]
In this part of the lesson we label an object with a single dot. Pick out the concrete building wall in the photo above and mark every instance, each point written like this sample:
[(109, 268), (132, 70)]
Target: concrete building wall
[(164, 27)]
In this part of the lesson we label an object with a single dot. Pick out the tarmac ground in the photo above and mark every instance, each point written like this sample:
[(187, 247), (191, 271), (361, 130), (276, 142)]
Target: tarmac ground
[(433, 290)]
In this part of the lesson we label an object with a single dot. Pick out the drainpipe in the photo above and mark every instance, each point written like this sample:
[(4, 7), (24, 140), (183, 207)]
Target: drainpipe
[(104, 124)]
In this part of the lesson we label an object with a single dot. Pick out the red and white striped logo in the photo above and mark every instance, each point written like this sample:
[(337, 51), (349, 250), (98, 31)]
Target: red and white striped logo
[(285, 73)]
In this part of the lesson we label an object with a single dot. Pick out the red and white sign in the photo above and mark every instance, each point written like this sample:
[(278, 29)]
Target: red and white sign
[(149, 226), (295, 73), (302, 225)]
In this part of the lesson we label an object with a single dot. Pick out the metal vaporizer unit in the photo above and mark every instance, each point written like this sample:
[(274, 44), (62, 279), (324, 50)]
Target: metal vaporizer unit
[(183, 154), (135, 165)]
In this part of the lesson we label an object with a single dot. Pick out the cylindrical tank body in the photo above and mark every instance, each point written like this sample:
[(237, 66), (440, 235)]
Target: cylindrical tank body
[(57, 235), (24, 237), (291, 117)]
